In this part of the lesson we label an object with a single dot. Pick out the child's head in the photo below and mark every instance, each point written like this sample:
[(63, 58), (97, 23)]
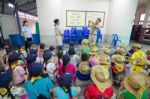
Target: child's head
[(85, 42), (84, 57), (51, 48), (72, 44), (136, 47), (148, 52), (71, 51), (35, 69), (31, 58), (60, 54), (29, 45), (42, 46), (47, 56), (13, 58), (60, 48), (34, 51), (65, 80), (66, 59)]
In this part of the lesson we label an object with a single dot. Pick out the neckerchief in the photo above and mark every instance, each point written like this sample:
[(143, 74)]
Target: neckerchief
[(33, 79)]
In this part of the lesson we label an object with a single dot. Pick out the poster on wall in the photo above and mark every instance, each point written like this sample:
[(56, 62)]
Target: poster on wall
[(75, 18), (93, 15)]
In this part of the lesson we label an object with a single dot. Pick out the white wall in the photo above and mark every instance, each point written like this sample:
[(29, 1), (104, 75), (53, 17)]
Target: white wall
[(48, 10), (9, 25), (85, 5), (121, 19)]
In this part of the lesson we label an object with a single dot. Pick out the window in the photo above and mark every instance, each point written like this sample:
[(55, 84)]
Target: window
[(142, 18), (27, 16)]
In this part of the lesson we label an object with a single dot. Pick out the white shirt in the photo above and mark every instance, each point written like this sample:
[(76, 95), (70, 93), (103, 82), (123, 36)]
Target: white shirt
[(27, 32)]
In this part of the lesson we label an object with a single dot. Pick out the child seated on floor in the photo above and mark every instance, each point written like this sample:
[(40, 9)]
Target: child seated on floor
[(148, 61), (66, 67), (52, 50), (84, 69), (135, 84), (85, 47), (94, 55), (74, 58), (65, 89), (19, 73), (139, 65), (49, 66), (40, 53), (23, 52), (102, 86), (118, 68), (38, 86), (138, 53)]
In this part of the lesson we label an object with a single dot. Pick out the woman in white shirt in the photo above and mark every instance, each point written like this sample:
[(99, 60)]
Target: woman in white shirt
[(58, 33), (26, 31)]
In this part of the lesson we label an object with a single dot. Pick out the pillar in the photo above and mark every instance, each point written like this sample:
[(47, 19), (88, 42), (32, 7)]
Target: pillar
[(121, 19)]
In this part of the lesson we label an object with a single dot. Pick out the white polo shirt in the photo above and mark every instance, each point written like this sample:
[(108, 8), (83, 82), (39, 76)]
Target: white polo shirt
[(27, 32)]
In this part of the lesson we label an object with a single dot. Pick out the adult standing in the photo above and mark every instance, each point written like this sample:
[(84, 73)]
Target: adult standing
[(94, 36), (58, 33), (26, 31)]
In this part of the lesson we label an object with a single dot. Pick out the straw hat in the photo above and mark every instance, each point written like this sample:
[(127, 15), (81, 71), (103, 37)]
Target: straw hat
[(107, 46), (85, 42), (148, 52), (103, 61), (118, 59), (134, 46), (92, 44), (84, 68), (121, 51), (135, 82), (140, 62), (122, 45), (100, 76), (106, 50)]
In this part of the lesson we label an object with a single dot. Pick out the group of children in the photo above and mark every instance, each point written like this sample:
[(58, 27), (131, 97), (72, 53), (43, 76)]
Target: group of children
[(41, 73)]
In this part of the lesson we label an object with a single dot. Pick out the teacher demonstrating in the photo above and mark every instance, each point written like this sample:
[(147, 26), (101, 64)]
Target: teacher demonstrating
[(26, 31), (58, 33), (94, 27)]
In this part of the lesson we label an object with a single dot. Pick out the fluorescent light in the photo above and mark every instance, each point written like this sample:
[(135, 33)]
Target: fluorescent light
[(10, 5)]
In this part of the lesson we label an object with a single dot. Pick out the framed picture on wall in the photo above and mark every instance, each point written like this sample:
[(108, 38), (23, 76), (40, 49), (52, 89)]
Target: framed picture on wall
[(93, 15), (75, 18)]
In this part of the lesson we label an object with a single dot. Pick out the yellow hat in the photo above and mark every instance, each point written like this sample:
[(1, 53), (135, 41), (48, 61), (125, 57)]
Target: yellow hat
[(118, 59), (85, 42), (136, 83), (84, 68), (100, 77)]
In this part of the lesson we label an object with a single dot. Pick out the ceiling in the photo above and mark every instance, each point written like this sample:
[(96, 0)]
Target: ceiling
[(26, 6), (144, 2)]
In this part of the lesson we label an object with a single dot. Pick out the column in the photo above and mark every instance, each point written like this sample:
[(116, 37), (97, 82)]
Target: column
[(121, 19)]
